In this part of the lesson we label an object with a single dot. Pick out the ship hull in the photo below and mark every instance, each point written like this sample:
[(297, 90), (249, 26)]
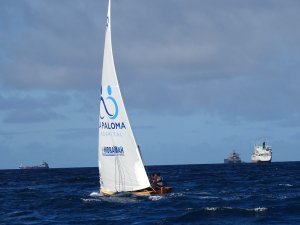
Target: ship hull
[(261, 161), (43, 166), (227, 161), (33, 168)]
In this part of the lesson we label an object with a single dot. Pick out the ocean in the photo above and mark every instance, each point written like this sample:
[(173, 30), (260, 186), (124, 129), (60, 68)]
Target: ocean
[(203, 194)]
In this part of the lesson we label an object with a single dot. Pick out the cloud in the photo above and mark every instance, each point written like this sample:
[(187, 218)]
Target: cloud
[(50, 45), (230, 59), (28, 109), (20, 101), (31, 116), (233, 59), (77, 133)]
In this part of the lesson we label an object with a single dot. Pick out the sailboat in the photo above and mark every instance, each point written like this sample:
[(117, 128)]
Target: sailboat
[(121, 167)]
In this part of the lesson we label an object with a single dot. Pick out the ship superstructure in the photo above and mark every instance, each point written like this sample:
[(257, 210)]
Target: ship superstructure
[(262, 153), (233, 158)]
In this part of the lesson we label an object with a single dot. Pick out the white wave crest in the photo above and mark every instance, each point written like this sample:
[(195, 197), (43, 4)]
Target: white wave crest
[(155, 197), (95, 194), (208, 197), (286, 185), (258, 209), (177, 194), (90, 200), (211, 208)]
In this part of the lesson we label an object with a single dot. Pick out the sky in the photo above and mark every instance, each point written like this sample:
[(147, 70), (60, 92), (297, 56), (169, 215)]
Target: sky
[(199, 78)]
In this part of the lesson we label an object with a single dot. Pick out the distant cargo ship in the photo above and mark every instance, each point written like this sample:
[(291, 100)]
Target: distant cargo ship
[(233, 158), (44, 165), (262, 153)]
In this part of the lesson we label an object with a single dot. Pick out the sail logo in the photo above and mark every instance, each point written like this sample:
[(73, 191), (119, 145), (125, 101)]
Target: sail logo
[(113, 151), (112, 125), (113, 113)]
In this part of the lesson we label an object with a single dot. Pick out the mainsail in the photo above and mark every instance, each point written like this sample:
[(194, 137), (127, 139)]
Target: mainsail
[(120, 165)]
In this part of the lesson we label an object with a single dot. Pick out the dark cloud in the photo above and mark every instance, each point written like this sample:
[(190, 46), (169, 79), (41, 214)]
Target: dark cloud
[(32, 116), (27, 101), (28, 109)]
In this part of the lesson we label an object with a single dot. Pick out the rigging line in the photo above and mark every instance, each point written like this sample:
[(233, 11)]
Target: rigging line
[(120, 174), (116, 175), (120, 184), (143, 163), (117, 170)]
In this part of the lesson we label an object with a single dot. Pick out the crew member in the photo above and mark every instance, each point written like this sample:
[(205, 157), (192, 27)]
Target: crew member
[(156, 180)]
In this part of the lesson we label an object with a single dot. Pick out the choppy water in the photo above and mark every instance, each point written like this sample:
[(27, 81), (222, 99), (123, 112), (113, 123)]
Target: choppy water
[(203, 194)]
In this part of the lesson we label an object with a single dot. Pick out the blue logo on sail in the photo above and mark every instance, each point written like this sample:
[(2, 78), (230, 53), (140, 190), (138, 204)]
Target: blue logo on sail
[(111, 114), (113, 151)]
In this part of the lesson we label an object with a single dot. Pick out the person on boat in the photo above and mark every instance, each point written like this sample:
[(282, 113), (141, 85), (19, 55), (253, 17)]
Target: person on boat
[(159, 180), (156, 180), (152, 179)]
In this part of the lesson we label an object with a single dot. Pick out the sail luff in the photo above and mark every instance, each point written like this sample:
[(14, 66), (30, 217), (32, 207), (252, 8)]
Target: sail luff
[(120, 163)]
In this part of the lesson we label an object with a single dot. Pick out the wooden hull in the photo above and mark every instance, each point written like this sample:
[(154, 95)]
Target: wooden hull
[(145, 192), (150, 191), (106, 192)]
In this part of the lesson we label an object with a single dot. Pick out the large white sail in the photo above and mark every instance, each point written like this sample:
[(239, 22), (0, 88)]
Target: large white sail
[(120, 164)]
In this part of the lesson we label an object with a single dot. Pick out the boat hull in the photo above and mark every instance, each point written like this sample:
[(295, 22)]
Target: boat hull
[(107, 192), (144, 192), (150, 191)]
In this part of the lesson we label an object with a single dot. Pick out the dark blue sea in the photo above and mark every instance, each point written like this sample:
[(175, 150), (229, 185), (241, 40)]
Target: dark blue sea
[(203, 194)]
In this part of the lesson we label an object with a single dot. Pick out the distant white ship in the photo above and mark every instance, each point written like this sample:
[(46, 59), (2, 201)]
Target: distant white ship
[(262, 153)]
